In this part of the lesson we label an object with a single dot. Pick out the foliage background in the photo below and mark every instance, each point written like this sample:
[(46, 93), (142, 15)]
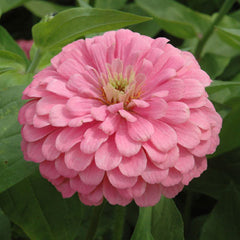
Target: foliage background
[(209, 208)]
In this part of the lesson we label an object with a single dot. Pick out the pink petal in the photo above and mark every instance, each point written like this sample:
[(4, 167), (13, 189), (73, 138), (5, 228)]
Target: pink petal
[(177, 112), (125, 145), (65, 189), (136, 191), (188, 134), (92, 175), (68, 137), (118, 180), (107, 156), (192, 88), (93, 198), (92, 140), (175, 88), (128, 116), (202, 149), (134, 165), (80, 106), (45, 104), (153, 174), (112, 195), (174, 177), (164, 137), (199, 118), (110, 124), (30, 112), (63, 169), (185, 162), (141, 130), (99, 113), (77, 160), (48, 170), (59, 88), (172, 191), (170, 159), (77, 185), (32, 134), (59, 116), (156, 110), (34, 151), (40, 121), (49, 149), (80, 83), (150, 197)]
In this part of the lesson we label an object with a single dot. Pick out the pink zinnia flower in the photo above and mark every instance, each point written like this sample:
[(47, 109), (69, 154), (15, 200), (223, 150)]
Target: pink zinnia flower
[(122, 117), (25, 45)]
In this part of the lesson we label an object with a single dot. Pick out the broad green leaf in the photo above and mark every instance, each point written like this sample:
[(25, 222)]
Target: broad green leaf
[(6, 5), (160, 222), (83, 3), (5, 230), (230, 36), (175, 18), (9, 44), (196, 227), (13, 168), (10, 60), (36, 206), (212, 182), (223, 91), (75, 23), (43, 8), (150, 28), (224, 221), (12, 78), (110, 4), (142, 229), (221, 171), (230, 133), (214, 64), (167, 221)]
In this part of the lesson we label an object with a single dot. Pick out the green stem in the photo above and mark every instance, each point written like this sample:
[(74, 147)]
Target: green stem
[(119, 218), (33, 65), (187, 211), (97, 211), (144, 221), (224, 10)]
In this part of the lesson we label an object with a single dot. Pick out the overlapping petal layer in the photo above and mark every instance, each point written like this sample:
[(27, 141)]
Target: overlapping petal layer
[(120, 116)]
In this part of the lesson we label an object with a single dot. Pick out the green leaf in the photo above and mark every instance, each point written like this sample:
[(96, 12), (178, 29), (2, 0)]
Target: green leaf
[(224, 221), (43, 8), (223, 91), (221, 171), (230, 133), (12, 78), (7, 5), (110, 4), (175, 18), (83, 3), (75, 23), (230, 36), (9, 44), (142, 229), (150, 28), (13, 168), (36, 206), (5, 231), (167, 221), (160, 222), (214, 64)]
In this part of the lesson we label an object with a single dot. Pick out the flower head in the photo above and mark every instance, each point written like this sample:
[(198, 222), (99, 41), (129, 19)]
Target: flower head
[(25, 45), (120, 116)]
